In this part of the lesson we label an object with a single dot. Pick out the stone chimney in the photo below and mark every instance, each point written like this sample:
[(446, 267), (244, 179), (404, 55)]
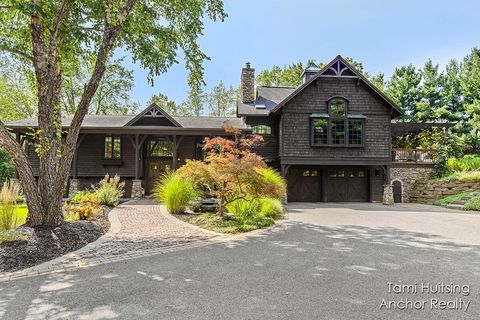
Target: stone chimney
[(247, 82)]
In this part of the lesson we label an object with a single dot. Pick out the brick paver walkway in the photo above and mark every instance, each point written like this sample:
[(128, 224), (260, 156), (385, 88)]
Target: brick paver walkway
[(144, 227), (139, 228)]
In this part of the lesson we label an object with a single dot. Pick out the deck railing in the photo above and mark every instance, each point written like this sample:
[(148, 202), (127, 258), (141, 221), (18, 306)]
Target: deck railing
[(414, 155)]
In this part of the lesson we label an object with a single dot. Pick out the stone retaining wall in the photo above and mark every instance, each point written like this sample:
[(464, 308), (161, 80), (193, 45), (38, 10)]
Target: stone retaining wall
[(409, 176), (430, 191)]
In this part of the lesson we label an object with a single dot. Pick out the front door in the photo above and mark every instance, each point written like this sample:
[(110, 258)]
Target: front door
[(155, 168)]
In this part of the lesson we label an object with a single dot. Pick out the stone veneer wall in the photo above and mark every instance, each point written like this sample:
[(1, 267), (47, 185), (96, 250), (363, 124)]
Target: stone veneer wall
[(430, 191), (409, 177)]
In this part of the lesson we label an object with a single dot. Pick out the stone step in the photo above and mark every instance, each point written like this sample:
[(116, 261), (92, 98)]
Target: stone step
[(455, 206), (459, 202)]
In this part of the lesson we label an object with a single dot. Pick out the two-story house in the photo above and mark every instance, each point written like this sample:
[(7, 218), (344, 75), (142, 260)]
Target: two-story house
[(330, 137)]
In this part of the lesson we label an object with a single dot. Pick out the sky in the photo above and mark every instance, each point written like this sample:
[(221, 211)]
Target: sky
[(382, 34)]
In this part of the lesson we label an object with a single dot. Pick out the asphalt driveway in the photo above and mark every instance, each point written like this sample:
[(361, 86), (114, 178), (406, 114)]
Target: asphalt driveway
[(325, 262)]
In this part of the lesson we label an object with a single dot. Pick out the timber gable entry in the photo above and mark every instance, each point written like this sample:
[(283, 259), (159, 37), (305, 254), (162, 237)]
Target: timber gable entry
[(153, 116)]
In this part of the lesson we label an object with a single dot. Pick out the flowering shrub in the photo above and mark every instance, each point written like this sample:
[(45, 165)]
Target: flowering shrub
[(231, 171), (87, 207), (110, 190)]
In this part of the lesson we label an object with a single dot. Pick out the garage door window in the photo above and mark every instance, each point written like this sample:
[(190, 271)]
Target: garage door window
[(310, 173), (337, 174), (357, 174)]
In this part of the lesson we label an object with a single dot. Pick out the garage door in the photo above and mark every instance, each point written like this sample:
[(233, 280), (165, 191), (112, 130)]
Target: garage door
[(304, 185), (347, 185)]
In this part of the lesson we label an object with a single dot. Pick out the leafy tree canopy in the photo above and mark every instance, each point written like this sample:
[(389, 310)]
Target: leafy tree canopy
[(55, 37)]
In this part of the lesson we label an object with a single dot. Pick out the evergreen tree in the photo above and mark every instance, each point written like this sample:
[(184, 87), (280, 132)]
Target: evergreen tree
[(403, 89)]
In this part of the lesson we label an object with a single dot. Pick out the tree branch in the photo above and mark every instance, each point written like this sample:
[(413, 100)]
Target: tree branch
[(110, 35), (16, 51), (59, 18)]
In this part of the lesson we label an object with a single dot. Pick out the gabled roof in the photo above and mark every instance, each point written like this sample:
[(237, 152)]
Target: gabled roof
[(267, 98), (92, 121), (338, 67), (153, 111)]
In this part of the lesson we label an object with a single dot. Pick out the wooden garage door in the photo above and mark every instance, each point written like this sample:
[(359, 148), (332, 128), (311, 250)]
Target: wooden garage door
[(347, 185), (304, 185)]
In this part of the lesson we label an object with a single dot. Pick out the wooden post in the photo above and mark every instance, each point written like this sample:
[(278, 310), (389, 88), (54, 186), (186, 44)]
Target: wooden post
[(176, 141), (137, 155), (75, 156), (174, 152)]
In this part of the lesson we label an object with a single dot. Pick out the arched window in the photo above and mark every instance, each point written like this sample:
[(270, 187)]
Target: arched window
[(261, 129), (337, 107), (337, 127)]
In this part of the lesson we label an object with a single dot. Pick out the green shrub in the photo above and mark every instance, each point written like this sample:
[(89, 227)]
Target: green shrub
[(8, 195), (277, 182), (440, 168), (466, 163), (473, 204), (86, 209), (463, 176), (110, 190), (450, 199), (175, 191), (244, 208), (78, 196), (271, 208)]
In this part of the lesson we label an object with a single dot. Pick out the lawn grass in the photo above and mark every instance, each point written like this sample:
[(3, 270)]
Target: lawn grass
[(233, 224), (450, 199), (21, 212)]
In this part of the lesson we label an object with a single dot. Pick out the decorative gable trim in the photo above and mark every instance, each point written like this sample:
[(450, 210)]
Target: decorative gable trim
[(339, 67), (153, 111)]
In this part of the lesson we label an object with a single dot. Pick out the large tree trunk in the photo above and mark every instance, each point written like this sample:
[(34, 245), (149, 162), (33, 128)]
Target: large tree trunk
[(55, 150)]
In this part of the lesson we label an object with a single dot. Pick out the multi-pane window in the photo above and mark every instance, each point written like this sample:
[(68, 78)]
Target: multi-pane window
[(159, 148), (337, 132), (261, 129), (337, 128), (113, 147), (320, 131), (355, 132)]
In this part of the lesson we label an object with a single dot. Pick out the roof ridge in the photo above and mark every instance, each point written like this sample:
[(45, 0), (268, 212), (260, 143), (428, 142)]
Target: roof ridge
[(283, 87)]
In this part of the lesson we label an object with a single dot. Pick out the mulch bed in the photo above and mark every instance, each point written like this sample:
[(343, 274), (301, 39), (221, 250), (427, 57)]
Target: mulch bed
[(43, 244)]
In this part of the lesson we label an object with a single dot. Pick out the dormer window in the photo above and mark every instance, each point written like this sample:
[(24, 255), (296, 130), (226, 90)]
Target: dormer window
[(337, 128), (261, 129)]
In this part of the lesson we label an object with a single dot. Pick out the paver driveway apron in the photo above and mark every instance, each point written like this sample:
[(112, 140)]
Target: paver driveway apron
[(139, 228), (446, 224)]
